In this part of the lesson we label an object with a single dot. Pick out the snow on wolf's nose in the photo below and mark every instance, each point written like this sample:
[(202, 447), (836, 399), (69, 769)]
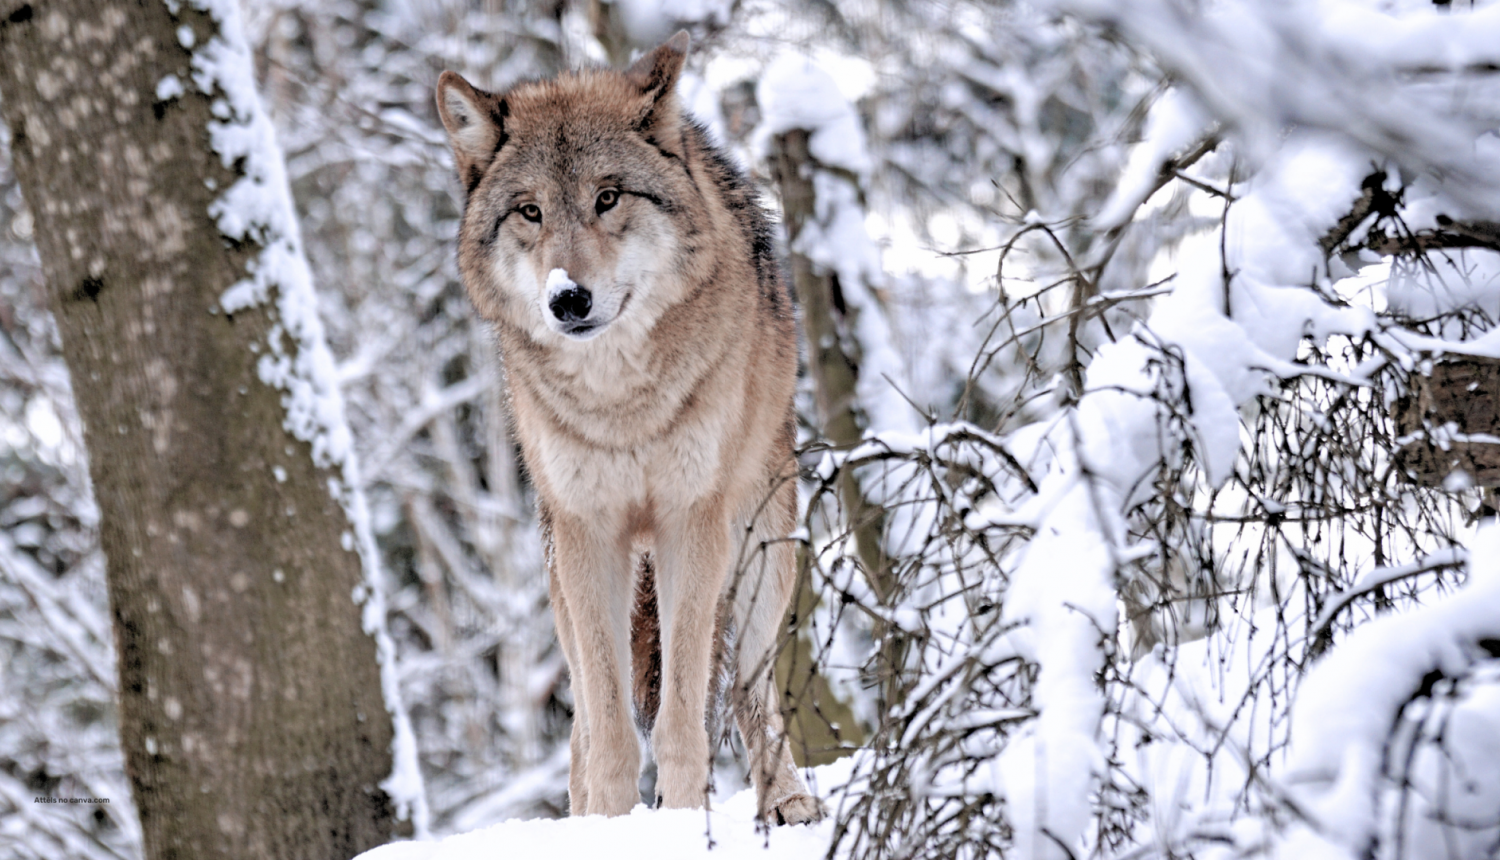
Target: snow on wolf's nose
[(568, 301)]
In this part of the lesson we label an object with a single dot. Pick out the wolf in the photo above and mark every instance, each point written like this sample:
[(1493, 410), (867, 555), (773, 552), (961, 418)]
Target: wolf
[(649, 345)]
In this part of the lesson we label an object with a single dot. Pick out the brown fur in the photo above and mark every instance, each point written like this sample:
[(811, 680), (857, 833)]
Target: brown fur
[(661, 423), (645, 648)]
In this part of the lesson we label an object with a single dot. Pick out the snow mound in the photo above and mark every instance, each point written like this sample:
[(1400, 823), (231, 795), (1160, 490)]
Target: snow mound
[(726, 833), (796, 93)]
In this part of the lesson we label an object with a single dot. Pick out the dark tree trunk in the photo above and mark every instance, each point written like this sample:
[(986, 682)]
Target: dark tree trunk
[(826, 323), (252, 717)]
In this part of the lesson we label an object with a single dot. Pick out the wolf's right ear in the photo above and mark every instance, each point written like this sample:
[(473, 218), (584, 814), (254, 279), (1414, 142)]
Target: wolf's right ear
[(656, 74), (475, 121)]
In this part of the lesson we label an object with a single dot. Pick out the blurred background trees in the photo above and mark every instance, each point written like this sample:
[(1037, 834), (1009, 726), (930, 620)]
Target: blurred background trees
[(1267, 222)]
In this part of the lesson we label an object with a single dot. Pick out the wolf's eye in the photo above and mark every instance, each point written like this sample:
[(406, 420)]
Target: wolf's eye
[(532, 212), (606, 201)]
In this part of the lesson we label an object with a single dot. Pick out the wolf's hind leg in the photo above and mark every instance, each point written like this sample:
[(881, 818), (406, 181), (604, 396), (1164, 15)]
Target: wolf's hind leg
[(761, 597)]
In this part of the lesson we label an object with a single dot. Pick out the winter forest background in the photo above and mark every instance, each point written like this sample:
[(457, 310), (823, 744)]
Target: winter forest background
[(1146, 517)]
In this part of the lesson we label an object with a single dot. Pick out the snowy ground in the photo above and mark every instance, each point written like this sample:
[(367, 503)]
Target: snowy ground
[(727, 833)]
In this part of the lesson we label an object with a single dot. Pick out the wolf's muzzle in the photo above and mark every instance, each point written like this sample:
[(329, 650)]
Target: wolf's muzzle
[(571, 305)]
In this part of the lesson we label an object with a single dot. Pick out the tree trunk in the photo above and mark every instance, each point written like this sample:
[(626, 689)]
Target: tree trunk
[(252, 717), (834, 369), (834, 363)]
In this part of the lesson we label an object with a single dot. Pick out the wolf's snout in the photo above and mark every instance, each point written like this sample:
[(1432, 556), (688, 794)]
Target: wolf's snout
[(571, 304)]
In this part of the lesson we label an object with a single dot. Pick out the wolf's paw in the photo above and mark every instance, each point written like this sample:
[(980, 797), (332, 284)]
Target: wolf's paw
[(796, 809)]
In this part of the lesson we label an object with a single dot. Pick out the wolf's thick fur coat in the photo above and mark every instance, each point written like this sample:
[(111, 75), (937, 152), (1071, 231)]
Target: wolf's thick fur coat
[(650, 349)]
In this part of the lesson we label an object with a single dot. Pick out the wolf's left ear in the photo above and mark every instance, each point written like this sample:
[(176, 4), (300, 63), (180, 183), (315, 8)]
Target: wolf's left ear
[(656, 75), (475, 121)]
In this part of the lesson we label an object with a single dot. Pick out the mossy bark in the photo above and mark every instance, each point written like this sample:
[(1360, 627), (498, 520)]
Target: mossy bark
[(252, 718)]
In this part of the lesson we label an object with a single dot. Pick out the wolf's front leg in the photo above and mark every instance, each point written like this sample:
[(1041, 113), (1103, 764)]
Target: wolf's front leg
[(597, 585), (578, 794), (692, 560)]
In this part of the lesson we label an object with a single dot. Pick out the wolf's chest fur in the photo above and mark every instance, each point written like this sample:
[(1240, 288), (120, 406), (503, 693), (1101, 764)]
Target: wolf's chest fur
[(610, 433)]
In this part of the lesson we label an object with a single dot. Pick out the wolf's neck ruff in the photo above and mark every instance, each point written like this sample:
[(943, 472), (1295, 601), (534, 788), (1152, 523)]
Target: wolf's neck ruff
[(650, 350)]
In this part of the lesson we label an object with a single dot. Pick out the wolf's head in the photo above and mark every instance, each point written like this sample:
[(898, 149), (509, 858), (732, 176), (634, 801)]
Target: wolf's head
[(581, 208)]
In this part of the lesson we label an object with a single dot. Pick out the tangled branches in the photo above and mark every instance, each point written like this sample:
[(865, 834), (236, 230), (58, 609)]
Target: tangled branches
[(1227, 590)]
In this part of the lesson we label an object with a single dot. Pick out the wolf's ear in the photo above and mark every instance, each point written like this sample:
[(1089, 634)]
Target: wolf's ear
[(656, 75), (475, 121)]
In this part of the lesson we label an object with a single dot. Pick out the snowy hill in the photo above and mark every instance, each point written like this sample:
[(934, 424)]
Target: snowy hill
[(644, 834)]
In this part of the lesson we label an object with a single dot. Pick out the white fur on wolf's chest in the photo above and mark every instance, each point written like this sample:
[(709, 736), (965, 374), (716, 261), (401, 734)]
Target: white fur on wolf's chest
[(679, 466), (607, 369), (586, 479)]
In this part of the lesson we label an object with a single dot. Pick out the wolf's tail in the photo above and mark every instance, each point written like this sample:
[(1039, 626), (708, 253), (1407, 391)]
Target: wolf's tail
[(645, 648), (645, 660)]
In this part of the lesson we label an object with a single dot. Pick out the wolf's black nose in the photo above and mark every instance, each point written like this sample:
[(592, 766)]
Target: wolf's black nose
[(572, 304)]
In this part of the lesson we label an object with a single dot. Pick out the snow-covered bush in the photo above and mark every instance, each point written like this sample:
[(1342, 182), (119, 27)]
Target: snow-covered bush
[(1135, 643)]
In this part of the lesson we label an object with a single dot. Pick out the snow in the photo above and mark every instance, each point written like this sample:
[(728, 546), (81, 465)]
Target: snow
[(1233, 336), (168, 88), (1419, 37), (1262, 69), (1176, 121), (795, 92), (648, 22), (1063, 590), (42, 421), (1348, 703), (1314, 180), (1453, 775), (558, 280), (1210, 697), (257, 209), (727, 832)]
